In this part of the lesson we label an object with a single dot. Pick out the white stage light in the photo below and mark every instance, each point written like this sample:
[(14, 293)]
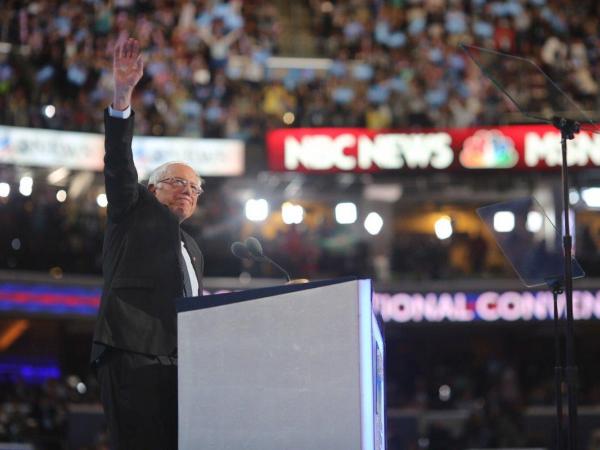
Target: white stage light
[(346, 213), (26, 186), (15, 244), (58, 176), (574, 197), (504, 221), (444, 393), (535, 220), (373, 223), (291, 213), (257, 209), (49, 111), (4, 189), (443, 228), (591, 197), (102, 200), (61, 195)]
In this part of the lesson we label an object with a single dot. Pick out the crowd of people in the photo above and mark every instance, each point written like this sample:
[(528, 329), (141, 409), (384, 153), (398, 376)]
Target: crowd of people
[(38, 413), (394, 64)]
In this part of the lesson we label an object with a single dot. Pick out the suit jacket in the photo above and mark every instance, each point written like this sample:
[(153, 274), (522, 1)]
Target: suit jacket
[(141, 256)]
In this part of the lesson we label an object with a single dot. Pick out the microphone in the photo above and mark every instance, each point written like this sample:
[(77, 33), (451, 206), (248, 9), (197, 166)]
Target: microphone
[(252, 249), (240, 250), (255, 249)]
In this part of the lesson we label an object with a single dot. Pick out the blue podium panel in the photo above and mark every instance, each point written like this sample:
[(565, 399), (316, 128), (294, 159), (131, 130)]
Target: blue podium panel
[(290, 367)]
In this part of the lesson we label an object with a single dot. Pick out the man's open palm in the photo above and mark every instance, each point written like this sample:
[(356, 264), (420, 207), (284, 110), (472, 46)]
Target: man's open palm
[(128, 66)]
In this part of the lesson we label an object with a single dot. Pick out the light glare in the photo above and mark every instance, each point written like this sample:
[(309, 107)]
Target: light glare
[(257, 210), (49, 111), (534, 221), (373, 223), (573, 197), (591, 197), (4, 189), (443, 228), (26, 186), (61, 195), (346, 213), (292, 214), (102, 200), (504, 221)]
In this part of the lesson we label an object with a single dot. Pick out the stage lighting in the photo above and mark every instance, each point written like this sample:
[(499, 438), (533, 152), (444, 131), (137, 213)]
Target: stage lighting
[(292, 214), (574, 197), (257, 209), (535, 220), (26, 186), (345, 213), (444, 393), (591, 197), (288, 118), (61, 196), (49, 111), (16, 244), (443, 228), (373, 223), (4, 189), (102, 200), (504, 221)]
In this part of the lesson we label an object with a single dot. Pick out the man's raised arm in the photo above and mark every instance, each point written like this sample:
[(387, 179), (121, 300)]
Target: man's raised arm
[(120, 175)]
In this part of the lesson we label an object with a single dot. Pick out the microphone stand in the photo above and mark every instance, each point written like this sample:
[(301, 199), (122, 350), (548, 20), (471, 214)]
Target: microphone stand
[(264, 257), (568, 128)]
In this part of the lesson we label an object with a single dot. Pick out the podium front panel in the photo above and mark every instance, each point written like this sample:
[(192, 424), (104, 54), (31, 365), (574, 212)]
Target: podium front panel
[(279, 372)]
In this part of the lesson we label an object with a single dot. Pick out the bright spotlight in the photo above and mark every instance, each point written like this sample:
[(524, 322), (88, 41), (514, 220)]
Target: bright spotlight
[(15, 244), (574, 196), (26, 186), (504, 221), (102, 200), (61, 195), (288, 118), (591, 197), (444, 393), (443, 228), (373, 223), (291, 213), (534, 222), (257, 209), (345, 213), (4, 189), (49, 111)]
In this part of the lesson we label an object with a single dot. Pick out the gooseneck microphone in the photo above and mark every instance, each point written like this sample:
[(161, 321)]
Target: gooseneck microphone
[(252, 249), (240, 251)]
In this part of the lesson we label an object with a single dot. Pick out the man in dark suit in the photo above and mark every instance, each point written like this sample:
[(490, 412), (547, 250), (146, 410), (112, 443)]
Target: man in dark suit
[(148, 262)]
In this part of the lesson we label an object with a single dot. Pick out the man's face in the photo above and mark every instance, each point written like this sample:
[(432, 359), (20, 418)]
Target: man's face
[(181, 200)]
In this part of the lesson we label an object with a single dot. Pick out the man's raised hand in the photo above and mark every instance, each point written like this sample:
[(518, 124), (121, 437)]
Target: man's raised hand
[(128, 68)]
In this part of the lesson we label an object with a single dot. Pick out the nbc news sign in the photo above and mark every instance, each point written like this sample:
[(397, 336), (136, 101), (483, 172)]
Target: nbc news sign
[(519, 147)]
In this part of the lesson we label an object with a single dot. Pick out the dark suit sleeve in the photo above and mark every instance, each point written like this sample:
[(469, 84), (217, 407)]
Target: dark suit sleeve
[(120, 174)]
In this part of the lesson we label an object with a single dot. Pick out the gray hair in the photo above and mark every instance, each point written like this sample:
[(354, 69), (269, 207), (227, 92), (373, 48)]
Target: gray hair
[(159, 173)]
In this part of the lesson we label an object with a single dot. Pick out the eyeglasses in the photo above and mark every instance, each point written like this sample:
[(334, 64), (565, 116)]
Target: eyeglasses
[(182, 183)]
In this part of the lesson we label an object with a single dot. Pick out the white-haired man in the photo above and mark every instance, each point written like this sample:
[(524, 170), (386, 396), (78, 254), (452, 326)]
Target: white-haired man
[(148, 261)]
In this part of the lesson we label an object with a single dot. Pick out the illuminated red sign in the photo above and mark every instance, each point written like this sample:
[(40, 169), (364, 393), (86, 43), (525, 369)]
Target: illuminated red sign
[(519, 147)]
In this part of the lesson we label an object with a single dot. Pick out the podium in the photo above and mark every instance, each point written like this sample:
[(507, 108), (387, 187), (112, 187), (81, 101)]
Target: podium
[(293, 367)]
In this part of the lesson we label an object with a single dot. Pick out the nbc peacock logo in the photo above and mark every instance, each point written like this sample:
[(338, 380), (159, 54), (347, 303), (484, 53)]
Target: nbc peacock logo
[(488, 149)]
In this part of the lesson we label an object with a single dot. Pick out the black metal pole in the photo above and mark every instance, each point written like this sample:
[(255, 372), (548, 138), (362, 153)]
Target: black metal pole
[(568, 129), (558, 371)]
